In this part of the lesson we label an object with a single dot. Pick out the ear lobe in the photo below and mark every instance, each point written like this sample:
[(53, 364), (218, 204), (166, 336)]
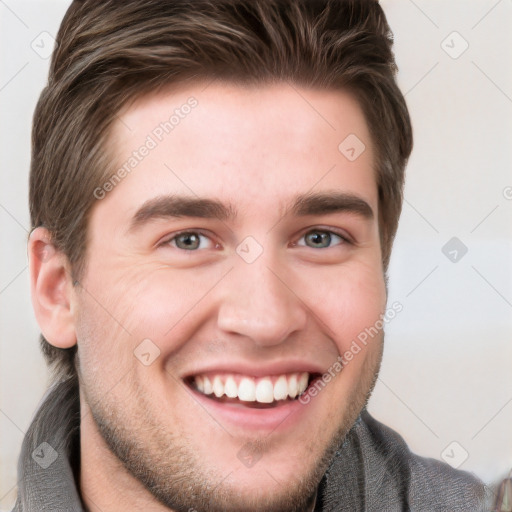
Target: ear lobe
[(51, 288)]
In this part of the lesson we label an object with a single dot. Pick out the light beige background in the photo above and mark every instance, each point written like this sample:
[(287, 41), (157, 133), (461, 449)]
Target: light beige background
[(447, 368)]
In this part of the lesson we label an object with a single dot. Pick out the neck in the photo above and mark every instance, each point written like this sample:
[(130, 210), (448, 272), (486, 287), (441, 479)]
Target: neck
[(312, 503)]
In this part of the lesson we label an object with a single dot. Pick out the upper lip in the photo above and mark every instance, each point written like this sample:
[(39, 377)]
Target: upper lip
[(262, 369)]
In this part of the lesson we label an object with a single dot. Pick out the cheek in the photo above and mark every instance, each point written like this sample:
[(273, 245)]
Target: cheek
[(103, 360), (351, 304), (141, 299), (121, 309), (107, 324), (166, 301)]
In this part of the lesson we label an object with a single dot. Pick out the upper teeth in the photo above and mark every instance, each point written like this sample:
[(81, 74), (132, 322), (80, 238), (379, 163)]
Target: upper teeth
[(249, 389)]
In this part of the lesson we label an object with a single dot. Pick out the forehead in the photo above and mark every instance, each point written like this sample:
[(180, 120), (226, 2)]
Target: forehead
[(246, 143), (246, 109)]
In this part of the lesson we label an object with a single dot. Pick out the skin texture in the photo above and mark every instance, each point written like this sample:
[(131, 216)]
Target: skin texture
[(147, 443)]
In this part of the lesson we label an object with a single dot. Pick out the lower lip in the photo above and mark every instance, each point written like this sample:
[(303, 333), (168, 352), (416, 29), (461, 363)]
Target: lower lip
[(282, 416)]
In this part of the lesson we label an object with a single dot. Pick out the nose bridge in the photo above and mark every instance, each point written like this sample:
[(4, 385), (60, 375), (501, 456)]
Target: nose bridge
[(258, 303)]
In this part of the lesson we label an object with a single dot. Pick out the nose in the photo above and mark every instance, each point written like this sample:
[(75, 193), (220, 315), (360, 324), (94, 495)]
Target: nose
[(259, 302)]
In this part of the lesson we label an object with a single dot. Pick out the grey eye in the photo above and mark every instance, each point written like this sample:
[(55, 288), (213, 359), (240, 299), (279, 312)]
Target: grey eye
[(319, 239), (187, 241)]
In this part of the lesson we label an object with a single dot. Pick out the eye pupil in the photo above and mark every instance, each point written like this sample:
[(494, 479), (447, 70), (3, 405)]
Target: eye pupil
[(190, 240), (317, 237)]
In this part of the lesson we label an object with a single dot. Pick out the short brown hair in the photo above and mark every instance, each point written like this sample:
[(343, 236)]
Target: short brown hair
[(109, 53)]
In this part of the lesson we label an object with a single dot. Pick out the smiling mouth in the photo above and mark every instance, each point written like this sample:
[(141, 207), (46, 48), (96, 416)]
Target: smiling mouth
[(261, 392)]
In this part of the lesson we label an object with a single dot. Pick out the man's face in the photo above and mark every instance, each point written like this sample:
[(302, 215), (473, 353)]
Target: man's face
[(239, 305)]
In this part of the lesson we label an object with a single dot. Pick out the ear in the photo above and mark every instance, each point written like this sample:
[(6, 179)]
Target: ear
[(51, 288)]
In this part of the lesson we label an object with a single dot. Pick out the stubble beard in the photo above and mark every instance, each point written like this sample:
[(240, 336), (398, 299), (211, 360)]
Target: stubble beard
[(169, 468)]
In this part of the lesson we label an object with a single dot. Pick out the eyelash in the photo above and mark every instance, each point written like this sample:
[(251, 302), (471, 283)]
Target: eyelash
[(344, 238)]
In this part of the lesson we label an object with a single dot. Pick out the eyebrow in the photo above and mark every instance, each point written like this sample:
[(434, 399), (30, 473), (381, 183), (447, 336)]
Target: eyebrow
[(179, 206)]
